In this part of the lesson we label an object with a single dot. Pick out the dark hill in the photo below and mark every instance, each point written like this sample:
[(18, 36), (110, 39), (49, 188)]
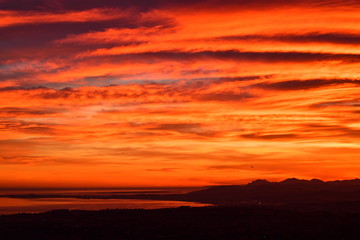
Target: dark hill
[(288, 191)]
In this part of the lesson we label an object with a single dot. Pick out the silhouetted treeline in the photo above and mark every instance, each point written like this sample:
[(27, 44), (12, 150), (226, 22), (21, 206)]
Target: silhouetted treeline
[(184, 223)]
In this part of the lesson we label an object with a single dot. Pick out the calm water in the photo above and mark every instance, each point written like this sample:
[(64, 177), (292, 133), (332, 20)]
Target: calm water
[(34, 205), (98, 191)]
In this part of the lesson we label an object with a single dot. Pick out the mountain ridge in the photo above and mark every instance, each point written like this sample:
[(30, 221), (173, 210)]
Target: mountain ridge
[(291, 190)]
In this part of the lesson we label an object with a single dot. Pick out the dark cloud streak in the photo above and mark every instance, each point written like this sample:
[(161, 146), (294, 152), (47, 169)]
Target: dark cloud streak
[(304, 84), (30, 111), (335, 38), (234, 55), (270, 136), (145, 5)]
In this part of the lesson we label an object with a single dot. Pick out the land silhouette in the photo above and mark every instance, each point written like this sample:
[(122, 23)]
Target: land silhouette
[(290, 209), (289, 192)]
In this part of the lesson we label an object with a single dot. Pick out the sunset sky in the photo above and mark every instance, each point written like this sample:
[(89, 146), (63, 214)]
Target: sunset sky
[(178, 93)]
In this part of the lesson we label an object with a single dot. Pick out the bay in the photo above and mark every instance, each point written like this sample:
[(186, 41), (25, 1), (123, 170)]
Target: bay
[(15, 204)]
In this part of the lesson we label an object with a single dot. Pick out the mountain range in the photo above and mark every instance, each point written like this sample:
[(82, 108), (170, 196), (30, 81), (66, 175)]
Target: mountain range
[(291, 190)]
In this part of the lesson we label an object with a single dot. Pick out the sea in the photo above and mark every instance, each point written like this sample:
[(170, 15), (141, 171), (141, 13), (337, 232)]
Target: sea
[(17, 203)]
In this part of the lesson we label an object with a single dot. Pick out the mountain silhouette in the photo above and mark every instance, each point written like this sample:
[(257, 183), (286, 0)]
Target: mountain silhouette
[(290, 209), (291, 190)]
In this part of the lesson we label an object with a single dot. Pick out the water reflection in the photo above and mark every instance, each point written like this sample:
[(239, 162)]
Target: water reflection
[(15, 205)]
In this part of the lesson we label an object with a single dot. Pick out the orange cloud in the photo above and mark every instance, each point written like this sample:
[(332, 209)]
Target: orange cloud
[(179, 93)]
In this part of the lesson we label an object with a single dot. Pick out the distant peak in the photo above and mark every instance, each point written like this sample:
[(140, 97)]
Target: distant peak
[(291, 180), (315, 180), (295, 180), (259, 182)]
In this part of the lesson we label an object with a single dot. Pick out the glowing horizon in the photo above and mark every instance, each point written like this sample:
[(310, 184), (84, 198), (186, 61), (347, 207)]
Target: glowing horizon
[(176, 93)]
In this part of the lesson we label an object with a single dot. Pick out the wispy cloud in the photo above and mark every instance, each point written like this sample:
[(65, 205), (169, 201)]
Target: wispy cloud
[(154, 92)]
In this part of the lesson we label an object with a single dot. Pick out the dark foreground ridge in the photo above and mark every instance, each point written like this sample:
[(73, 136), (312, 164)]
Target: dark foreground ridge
[(184, 223), (292, 209)]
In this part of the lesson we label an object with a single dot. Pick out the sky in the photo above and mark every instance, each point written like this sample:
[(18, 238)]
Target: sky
[(178, 93)]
